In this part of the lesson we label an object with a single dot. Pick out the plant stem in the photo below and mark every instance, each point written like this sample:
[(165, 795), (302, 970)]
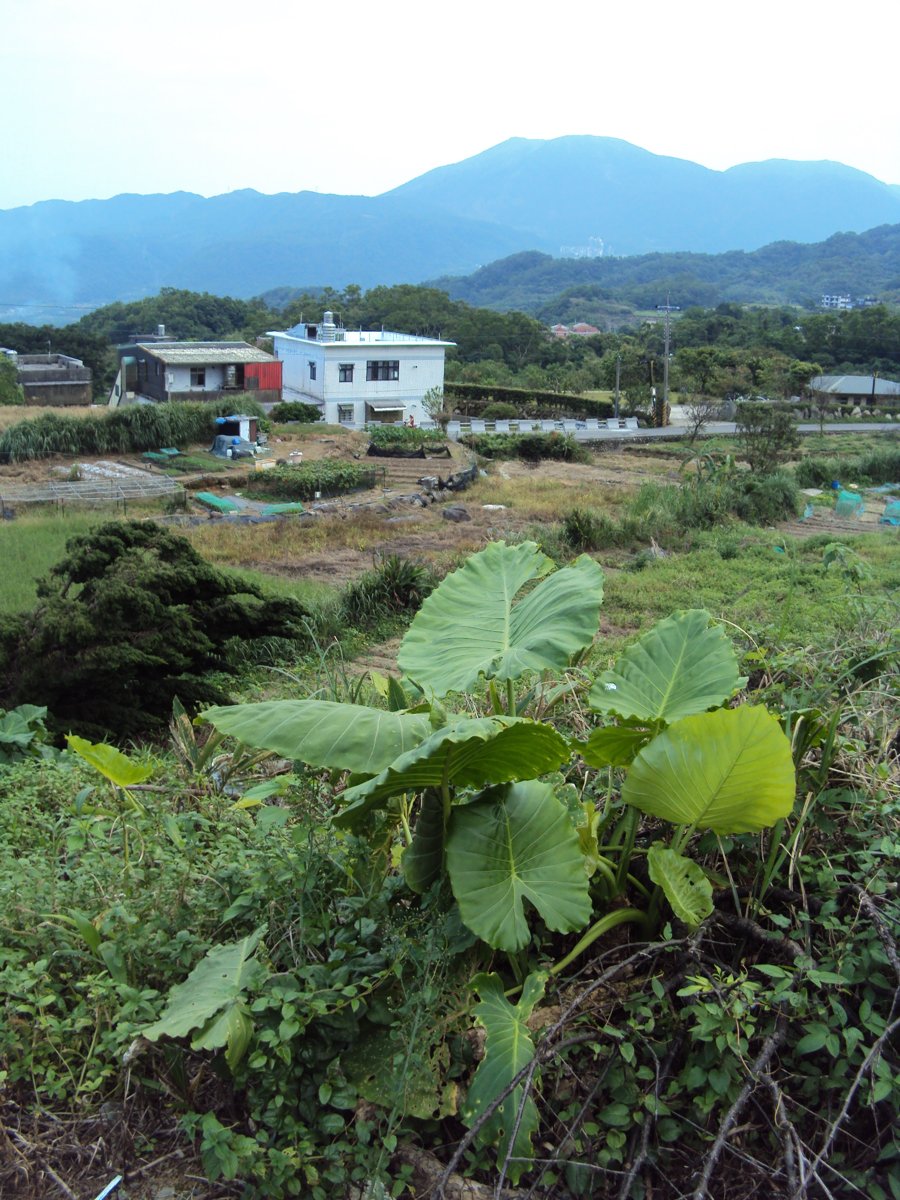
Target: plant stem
[(619, 917), (630, 825)]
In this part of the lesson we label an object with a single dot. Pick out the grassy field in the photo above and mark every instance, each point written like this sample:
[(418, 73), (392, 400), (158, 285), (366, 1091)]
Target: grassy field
[(29, 547)]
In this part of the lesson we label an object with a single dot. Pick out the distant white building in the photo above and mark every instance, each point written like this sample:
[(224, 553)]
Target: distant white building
[(359, 376)]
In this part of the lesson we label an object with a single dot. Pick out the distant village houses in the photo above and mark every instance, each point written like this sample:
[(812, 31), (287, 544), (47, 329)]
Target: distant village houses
[(579, 329), (846, 302), (357, 377)]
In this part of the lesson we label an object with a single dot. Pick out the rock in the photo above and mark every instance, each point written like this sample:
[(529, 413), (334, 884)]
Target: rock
[(456, 513)]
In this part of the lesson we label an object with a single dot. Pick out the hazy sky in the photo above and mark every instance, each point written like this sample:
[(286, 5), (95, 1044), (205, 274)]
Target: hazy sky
[(101, 97)]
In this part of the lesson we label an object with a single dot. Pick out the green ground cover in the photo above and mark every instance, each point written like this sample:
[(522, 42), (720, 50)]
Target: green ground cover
[(358, 960), (685, 976)]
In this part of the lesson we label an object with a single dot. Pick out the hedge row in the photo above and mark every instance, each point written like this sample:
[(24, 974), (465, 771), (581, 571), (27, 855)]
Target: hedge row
[(532, 447), (881, 466), (118, 431), (330, 477), (404, 436), (528, 402)]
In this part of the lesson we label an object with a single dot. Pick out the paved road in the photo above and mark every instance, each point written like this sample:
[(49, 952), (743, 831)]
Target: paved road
[(674, 432)]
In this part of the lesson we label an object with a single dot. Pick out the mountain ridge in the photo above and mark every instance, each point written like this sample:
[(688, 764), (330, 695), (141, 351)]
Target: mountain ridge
[(523, 194)]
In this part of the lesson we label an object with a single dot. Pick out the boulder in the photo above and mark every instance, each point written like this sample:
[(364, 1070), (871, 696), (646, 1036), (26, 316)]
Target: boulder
[(455, 512)]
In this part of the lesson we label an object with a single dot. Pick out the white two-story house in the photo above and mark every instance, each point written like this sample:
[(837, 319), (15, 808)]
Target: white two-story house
[(359, 376)]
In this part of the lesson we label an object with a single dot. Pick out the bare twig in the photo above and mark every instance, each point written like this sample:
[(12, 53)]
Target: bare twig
[(872, 912), (514, 1133), (759, 1067)]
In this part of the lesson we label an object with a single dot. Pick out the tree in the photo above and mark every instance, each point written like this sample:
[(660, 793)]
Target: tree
[(434, 404), (700, 410), (130, 618), (767, 436), (10, 391)]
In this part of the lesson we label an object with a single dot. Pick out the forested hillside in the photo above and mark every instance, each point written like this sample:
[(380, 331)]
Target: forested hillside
[(726, 349), (596, 289)]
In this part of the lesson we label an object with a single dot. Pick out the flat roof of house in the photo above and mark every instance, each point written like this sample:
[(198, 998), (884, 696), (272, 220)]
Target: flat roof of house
[(207, 353), (854, 385), (357, 337)]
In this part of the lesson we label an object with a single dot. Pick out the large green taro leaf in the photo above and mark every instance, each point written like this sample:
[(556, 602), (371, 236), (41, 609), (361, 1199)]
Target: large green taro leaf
[(686, 887), (508, 1048), (730, 771), (210, 1001), (471, 626), (472, 752), (680, 667), (516, 843), (322, 733)]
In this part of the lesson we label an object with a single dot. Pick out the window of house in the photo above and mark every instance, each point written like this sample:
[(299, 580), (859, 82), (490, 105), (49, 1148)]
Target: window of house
[(345, 373), (312, 370), (379, 369), (198, 376), (143, 369), (345, 414)]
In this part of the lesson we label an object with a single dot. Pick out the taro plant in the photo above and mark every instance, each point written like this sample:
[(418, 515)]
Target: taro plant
[(472, 785)]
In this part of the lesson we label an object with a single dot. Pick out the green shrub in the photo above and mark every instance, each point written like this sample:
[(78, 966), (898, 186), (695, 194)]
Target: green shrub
[(528, 402), (404, 437), (396, 585), (294, 410), (586, 529), (130, 618), (764, 500), (531, 447), (881, 466), (329, 477), (500, 410)]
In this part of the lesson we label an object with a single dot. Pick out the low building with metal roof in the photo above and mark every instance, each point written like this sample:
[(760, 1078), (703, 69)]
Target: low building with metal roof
[(857, 389), (161, 371)]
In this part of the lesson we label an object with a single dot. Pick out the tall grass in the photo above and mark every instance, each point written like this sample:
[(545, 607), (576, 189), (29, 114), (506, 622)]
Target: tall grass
[(878, 466), (119, 431), (666, 512)]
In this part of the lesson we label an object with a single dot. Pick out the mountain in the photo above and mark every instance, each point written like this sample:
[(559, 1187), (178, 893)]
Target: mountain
[(521, 195), (570, 189)]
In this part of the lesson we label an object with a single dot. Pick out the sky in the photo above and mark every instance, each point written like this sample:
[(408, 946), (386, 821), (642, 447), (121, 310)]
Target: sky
[(101, 97)]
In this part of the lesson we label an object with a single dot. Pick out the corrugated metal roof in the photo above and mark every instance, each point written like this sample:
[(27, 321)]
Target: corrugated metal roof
[(206, 353), (854, 385)]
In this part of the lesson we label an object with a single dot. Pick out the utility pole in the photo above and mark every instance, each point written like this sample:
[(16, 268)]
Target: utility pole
[(618, 376), (666, 308)]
